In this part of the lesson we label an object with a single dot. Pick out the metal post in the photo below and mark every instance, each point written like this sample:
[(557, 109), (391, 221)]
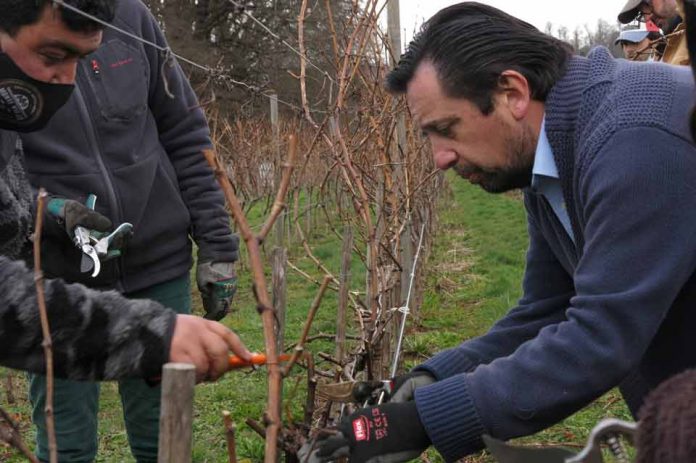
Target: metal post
[(280, 222), (279, 263), (346, 257)]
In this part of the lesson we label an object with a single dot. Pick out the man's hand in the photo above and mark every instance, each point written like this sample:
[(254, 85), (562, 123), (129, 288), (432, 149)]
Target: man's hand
[(387, 433), (404, 386), (217, 283), (69, 214), (206, 345)]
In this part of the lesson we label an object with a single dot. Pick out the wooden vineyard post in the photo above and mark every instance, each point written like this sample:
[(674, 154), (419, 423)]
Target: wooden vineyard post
[(176, 413)]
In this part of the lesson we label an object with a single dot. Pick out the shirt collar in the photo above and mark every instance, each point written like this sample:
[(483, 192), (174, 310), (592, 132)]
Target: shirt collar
[(544, 163)]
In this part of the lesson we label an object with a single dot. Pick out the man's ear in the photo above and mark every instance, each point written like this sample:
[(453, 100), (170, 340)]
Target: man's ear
[(515, 93)]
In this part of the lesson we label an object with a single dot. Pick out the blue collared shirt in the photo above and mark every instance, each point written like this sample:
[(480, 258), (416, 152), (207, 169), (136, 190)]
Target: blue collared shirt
[(546, 181)]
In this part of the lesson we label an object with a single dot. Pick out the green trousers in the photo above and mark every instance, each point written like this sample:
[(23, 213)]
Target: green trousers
[(76, 404)]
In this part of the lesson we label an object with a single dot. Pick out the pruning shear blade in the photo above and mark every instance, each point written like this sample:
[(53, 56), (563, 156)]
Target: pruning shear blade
[(90, 259)]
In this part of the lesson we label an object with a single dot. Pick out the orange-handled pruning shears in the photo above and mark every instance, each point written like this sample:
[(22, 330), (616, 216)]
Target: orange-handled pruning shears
[(256, 359), (237, 362)]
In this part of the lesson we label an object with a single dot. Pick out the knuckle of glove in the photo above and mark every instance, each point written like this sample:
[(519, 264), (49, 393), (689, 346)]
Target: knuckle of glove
[(331, 448), (217, 284), (215, 310), (406, 385), (76, 214), (225, 289), (386, 433)]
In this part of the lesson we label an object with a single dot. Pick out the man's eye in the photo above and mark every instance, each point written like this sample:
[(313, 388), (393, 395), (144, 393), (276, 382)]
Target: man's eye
[(51, 58), (443, 131)]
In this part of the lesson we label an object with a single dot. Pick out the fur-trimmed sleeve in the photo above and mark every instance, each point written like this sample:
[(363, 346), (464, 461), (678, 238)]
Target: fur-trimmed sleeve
[(96, 335)]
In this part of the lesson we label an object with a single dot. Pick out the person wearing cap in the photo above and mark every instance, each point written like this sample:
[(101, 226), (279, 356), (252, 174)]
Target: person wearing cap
[(667, 15), (635, 44)]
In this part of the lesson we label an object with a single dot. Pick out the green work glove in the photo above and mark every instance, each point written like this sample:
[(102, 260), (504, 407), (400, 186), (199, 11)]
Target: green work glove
[(217, 283), (387, 433), (404, 386), (68, 214)]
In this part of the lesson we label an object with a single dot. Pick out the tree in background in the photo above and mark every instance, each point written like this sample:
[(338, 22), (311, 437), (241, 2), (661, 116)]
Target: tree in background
[(219, 34), (584, 39)]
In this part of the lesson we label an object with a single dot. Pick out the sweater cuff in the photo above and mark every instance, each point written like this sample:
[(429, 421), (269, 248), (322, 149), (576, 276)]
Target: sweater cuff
[(226, 251), (450, 417), (447, 363)]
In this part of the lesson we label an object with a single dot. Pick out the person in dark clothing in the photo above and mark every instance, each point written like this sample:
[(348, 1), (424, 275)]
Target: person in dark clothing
[(608, 173), (132, 134), (641, 44), (667, 15), (666, 431), (690, 20), (96, 335)]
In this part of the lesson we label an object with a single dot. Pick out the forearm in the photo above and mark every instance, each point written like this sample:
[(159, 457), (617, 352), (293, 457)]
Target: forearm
[(95, 335), (547, 291), (519, 326), (184, 134)]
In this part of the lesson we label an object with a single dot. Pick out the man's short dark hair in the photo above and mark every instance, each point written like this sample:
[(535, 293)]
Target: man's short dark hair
[(471, 44), (16, 14)]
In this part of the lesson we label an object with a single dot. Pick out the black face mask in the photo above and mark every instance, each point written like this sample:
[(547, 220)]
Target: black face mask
[(27, 104)]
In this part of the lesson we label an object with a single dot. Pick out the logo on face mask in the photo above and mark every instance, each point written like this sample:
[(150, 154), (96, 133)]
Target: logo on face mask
[(27, 104), (20, 102)]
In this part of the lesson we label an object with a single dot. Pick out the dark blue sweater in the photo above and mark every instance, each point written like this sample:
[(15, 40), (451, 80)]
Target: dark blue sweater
[(618, 308)]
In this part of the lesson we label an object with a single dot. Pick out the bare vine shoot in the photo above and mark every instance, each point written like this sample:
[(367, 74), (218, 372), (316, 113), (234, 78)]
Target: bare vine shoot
[(361, 170)]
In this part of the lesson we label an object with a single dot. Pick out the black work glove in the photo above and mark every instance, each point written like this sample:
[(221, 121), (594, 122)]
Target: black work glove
[(61, 257), (387, 433), (404, 386), (68, 214), (217, 283), (367, 392)]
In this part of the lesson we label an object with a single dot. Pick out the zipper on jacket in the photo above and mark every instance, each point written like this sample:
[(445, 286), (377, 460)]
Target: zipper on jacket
[(113, 202)]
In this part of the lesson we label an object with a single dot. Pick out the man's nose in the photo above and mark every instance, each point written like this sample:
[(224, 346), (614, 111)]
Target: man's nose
[(444, 157), (65, 74)]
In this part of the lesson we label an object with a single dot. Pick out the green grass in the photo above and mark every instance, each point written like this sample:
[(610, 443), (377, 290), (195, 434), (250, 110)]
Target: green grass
[(473, 277)]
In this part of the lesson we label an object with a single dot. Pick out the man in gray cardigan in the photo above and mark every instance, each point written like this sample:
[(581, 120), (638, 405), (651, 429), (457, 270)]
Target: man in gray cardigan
[(608, 172)]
